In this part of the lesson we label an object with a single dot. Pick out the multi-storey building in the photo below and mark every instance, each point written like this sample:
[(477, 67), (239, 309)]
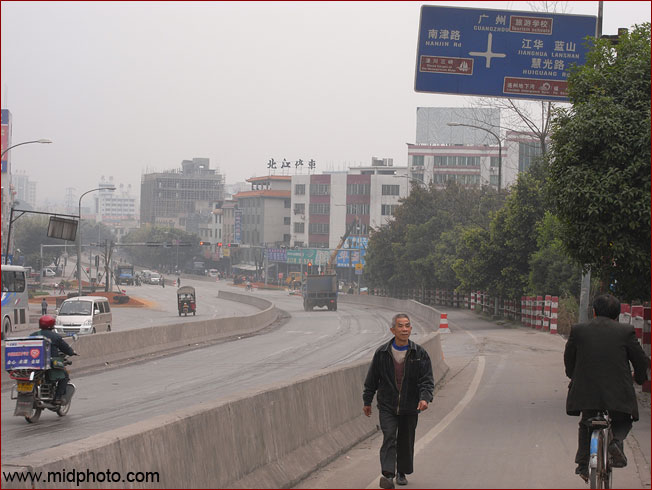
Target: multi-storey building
[(324, 205), (265, 211), (229, 210), (447, 149), (116, 210), (176, 197), (25, 190), (465, 164)]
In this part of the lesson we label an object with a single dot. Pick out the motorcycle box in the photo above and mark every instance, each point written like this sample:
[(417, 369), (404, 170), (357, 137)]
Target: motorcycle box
[(27, 353)]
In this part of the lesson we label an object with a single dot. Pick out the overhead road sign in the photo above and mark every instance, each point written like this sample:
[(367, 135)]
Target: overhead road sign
[(499, 53)]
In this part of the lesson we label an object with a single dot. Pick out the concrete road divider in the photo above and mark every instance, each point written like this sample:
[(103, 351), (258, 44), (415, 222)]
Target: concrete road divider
[(265, 439), (271, 439), (111, 347)]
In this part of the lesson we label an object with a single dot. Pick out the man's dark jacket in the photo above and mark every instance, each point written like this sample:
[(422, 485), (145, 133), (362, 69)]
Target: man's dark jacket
[(56, 343), (418, 383), (596, 359)]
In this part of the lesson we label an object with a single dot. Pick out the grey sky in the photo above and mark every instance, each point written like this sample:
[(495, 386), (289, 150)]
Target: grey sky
[(123, 87)]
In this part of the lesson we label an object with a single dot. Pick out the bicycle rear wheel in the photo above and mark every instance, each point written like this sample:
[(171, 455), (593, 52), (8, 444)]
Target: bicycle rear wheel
[(606, 465), (596, 470)]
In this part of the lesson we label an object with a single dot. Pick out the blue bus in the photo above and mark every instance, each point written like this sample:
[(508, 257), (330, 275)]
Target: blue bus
[(15, 307)]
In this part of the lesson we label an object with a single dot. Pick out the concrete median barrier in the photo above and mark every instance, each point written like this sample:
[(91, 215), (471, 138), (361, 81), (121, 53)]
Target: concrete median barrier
[(259, 439), (269, 439), (111, 347)]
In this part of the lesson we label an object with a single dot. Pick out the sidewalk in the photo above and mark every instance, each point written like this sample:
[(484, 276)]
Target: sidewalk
[(533, 447)]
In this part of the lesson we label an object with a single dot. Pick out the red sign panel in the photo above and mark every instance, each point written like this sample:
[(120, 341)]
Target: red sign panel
[(445, 64), (535, 86)]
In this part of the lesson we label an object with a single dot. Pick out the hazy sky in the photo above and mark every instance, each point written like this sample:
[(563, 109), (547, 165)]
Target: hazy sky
[(127, 87)]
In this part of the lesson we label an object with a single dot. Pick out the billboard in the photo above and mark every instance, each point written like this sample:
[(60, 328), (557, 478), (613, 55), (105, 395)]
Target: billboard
[(5, 141), (499, 53)]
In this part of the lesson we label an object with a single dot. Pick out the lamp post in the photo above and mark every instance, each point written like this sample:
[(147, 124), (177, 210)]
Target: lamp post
[(12, 205), (79, 266), (500, 147)]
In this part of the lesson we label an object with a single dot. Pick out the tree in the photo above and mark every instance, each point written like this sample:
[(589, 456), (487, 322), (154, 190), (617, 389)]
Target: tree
[(417, 248), (497, 260), (32, 232), (599, 164), (551, 270), (164, 252)]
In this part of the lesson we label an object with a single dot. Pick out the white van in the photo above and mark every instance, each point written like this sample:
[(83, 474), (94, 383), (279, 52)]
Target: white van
[(83, 315)]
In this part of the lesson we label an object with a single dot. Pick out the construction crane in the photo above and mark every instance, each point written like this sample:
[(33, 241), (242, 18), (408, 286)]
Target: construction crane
[(330, 266)]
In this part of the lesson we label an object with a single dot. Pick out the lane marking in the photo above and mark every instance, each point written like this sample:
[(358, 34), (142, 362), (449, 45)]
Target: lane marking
[(452, 415)]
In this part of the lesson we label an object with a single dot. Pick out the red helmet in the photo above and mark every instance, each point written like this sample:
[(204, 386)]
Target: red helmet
[(46, 322)]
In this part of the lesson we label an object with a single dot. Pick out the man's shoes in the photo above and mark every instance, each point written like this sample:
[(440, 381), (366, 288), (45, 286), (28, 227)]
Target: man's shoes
[(583, 472), (386, 482), (618, 458), (400, 479), (57, 401)]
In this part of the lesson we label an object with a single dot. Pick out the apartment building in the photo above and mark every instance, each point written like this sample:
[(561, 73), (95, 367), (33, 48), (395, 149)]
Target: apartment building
[(264, 212), (324, 205), (176, 198)]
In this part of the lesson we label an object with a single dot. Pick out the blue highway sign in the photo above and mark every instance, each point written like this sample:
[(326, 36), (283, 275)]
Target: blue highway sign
[(499, 53)]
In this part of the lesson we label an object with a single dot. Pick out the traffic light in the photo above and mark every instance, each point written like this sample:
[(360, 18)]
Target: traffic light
[(219, 244), (233, 245), (97, 261), (204, 243), (309, 264)]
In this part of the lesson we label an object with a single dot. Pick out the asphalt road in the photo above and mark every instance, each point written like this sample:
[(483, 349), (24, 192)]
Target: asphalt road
[(498, 420), (162, 305), (307, 342)]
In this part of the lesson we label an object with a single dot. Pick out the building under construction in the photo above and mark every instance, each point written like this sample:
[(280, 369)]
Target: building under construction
[(178, 198)]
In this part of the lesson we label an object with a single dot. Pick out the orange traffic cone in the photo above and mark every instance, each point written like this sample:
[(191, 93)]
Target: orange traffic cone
[(443, 323)]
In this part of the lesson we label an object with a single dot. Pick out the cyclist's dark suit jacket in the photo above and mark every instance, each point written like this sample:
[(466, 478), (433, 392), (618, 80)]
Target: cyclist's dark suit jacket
[(418, 382), (597, 358)]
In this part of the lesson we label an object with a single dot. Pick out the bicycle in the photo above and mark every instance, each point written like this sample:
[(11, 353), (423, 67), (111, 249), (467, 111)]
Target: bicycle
[(599, 461)]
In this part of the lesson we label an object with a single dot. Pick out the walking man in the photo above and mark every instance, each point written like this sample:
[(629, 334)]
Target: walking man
[(44, 307), (401, 376), (597, 359)]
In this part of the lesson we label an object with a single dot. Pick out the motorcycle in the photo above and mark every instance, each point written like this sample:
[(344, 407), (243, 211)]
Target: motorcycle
[(34, 390)]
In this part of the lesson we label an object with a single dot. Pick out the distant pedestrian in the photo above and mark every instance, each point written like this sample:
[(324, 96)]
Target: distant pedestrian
[(162, 281), (401, 377), (178, 282), (44, 307), (62, 288)]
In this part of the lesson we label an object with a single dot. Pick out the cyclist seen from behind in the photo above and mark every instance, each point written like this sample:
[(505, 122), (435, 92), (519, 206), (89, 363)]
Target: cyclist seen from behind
[(597, 359)]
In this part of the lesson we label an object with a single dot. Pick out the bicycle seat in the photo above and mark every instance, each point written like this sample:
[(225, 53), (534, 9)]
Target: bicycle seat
[(598, 422)]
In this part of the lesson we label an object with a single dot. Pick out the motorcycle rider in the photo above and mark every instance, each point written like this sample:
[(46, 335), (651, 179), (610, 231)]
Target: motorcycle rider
[(57, 345)]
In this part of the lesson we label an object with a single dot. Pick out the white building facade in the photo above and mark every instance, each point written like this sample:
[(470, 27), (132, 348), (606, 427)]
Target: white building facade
[(324, 205)]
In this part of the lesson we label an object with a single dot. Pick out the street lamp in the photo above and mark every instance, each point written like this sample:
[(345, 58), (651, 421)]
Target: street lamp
[(12, 204), (79, 266), (24, 143), (500, 148)]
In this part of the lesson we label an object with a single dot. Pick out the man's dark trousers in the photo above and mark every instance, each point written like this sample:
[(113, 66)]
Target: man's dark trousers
[(621, 424), (397, 451)]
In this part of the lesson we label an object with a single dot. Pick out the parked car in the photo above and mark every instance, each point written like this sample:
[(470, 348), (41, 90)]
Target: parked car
[(47, 272)]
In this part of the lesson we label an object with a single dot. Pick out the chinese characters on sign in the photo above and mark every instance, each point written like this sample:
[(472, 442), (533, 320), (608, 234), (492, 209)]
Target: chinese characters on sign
[(499, 53), (298, 165)]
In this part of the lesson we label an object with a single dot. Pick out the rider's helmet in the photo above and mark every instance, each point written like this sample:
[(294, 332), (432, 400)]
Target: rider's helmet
[(46, 322)]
